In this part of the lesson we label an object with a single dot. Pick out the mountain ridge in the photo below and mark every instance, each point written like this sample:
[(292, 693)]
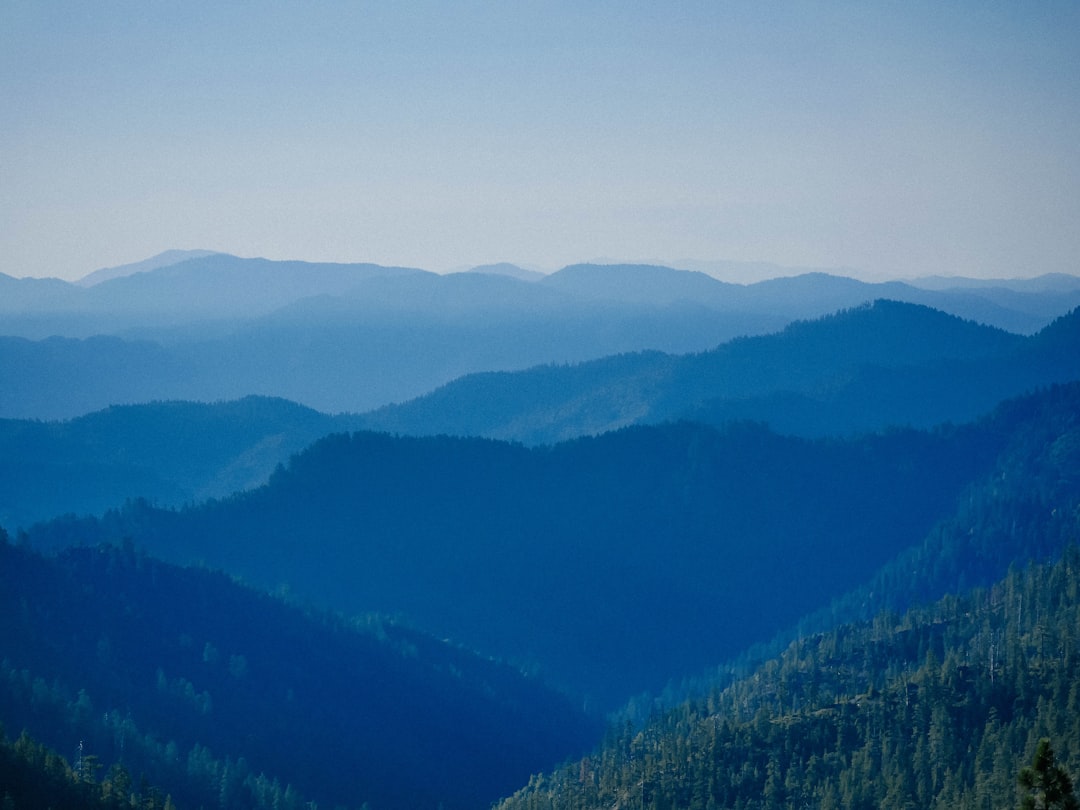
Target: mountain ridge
[(812, 366), (499, 545), (163, 259), (352, 338)]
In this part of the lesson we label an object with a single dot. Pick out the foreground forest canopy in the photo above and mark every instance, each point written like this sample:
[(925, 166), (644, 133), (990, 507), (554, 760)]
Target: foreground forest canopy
[(207, 686), (941, 707)]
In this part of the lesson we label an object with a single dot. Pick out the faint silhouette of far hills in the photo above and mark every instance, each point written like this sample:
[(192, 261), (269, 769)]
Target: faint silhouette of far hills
[(169, 257), (353, 337)]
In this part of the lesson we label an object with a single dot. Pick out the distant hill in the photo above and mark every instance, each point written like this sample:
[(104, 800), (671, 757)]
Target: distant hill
[(606, 561), (19, 296), (174, 289), (354, 337), (223, 696), (646, 285), (1050, 282), (862, 369), (59, 377), (169, 453), (165, 259), (507, 269), (223, 286)]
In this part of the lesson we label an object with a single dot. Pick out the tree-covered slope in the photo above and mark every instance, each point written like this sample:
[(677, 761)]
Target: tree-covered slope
[(33, 776), (941, 707), (858, 370), (219, 694), (615, 562), (169, 453)]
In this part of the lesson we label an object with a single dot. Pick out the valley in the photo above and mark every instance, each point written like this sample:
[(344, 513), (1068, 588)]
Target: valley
[(769, 547)]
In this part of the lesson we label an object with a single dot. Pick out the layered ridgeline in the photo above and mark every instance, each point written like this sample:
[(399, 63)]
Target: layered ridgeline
[(352, 337), (614, 563), (864, 369), (941, 707), (170, 453), (859, 370), (140, 672)]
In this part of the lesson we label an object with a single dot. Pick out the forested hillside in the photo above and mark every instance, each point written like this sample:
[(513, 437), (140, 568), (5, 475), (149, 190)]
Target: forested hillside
[(859, 370), (604, 561), (33, 776), (867, 369), (941, 707), (223, 696), (169, 453)]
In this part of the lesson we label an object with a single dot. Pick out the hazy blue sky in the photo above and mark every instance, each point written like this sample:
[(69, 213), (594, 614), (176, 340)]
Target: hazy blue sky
[(894, 139)]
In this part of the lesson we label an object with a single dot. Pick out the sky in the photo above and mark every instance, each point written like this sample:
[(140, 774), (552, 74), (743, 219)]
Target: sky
[(889, 140)]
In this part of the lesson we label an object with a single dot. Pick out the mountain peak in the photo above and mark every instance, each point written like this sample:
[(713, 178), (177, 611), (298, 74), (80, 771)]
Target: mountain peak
[(169, 257), (507, 269)]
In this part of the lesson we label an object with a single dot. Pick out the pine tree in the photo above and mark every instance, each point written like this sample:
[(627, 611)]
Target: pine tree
[(1046, 784)]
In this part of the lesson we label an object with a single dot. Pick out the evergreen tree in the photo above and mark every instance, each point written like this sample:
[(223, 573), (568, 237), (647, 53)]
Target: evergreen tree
[(1046, 784)]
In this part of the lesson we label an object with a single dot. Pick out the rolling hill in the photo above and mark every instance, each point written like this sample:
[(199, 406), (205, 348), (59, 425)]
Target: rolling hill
[(225, 696), (605, 561), (859, 370), (353, 337), (168, 453)]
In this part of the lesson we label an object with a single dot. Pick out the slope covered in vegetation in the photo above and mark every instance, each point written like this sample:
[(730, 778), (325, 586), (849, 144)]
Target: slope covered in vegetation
[(941, 707), (223, 695), (858, 370), (606, 561)]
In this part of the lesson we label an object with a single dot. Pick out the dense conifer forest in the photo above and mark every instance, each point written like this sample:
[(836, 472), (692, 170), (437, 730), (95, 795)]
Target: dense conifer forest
[(33, 776), (941, 707), (239, 699)]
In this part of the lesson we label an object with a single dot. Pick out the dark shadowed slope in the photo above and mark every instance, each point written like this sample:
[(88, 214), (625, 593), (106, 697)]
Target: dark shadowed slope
[(607, 561), (169, 453), (226, 697)]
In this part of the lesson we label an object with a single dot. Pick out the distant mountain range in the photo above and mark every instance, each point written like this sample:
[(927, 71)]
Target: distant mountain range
[(620, 481), (861, 370), (353, 337), (169, 257)]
